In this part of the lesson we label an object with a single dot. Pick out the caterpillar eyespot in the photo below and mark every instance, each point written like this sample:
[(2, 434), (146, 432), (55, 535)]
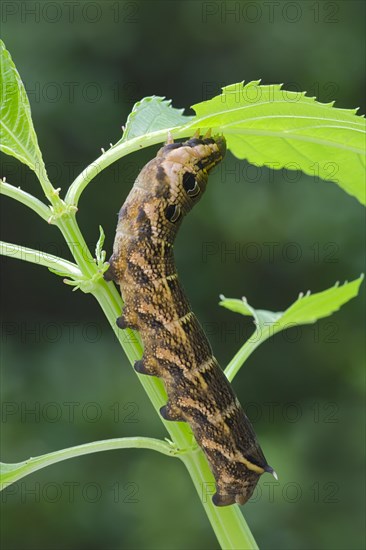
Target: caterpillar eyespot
[(176, 348), (172, 212), (190, 184)]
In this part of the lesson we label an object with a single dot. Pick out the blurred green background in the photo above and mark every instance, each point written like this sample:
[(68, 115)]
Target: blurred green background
[(65, 380)]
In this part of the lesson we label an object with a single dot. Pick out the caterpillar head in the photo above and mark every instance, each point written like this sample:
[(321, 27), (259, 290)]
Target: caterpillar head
[(183, 170), (169, 186)]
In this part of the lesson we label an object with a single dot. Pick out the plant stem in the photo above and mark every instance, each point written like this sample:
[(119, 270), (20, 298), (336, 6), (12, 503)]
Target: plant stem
[(10, 473), (245, 351), (22, 196), (228, 523), (39, 257), (77, 245), (115, 153)]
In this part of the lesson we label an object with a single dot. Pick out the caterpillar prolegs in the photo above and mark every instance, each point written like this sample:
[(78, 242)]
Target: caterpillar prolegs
[(176, 348)]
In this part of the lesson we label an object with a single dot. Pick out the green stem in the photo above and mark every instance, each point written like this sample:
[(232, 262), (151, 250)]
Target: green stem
[(245, 351), (10, 473), (256, 339), (46, 185), (39, 257), (115, 153), (22, 196), (76, 243), (228, 523)]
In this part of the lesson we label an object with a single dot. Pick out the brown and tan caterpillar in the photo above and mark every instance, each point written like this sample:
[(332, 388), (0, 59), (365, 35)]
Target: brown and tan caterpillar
[(176, 348)]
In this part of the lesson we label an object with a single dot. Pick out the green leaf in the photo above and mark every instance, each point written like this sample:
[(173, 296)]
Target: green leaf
[(10, 473), (17, 135), (307, 309), (261, 316), (152, 114), (273, 127)]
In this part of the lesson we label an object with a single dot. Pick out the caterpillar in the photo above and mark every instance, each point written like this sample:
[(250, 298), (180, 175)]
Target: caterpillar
[(176, 348)]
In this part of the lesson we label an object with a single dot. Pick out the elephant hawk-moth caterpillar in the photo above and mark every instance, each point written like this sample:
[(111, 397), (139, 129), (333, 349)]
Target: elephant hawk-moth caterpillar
[(176, 348)]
